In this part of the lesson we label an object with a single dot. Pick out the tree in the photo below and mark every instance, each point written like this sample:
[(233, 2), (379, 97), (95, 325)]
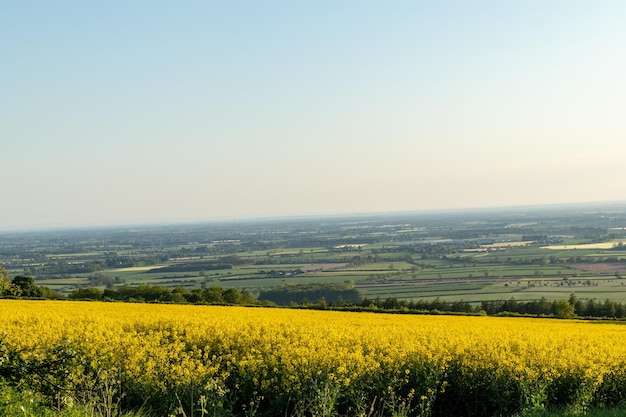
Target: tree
[(49, 293), (213, 295), (180, 294), (563, 309), (247, 298), (27, 286), (196, 295), (90, 293), (6, 288), (232, 296), (572, 299)]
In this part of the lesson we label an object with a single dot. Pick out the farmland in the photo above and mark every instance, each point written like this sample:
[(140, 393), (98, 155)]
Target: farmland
[(473, 256), (180, 360), (81, 358)]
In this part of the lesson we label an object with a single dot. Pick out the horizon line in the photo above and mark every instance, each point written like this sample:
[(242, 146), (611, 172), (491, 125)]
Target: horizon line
[(288, 217)]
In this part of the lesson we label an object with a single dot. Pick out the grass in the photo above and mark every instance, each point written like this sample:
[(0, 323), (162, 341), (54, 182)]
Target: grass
[(611, 412), (16, 403)]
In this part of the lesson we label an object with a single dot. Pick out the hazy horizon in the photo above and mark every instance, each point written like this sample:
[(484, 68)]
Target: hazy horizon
[(144, 113), (607, 206)]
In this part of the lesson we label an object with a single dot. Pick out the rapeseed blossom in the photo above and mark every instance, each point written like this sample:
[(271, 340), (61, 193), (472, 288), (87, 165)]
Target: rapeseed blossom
[(348, 361)]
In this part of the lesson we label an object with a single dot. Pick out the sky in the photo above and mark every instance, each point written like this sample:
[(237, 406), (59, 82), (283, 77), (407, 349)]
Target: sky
[(138, 112)]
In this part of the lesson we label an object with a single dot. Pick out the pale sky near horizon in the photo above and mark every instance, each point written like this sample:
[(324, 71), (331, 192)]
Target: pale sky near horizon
[(124, 112)]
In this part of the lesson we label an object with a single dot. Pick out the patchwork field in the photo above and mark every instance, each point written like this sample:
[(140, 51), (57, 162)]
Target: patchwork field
[(471, 256)]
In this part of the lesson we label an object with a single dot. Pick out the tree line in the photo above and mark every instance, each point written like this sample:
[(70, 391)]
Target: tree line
[(572, 307), (325, 293), (339, 296), (23, 286), (161, 294)]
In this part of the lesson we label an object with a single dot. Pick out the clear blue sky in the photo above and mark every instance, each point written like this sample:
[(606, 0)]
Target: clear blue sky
[(123, 112)]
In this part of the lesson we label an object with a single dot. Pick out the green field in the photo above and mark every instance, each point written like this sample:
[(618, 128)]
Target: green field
[(470, 256)]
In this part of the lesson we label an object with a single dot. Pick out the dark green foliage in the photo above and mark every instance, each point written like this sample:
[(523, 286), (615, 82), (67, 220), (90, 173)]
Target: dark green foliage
[(90, 293), (160, 294), (50, 294), (26, 286), (572, 391), (466, 392), (55, 372), (60, 381), (335, 294), (612, 390), (23, 287)]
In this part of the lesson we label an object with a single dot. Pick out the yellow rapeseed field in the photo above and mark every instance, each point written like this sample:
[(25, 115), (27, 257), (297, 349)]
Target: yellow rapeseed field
[(266, 361)]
